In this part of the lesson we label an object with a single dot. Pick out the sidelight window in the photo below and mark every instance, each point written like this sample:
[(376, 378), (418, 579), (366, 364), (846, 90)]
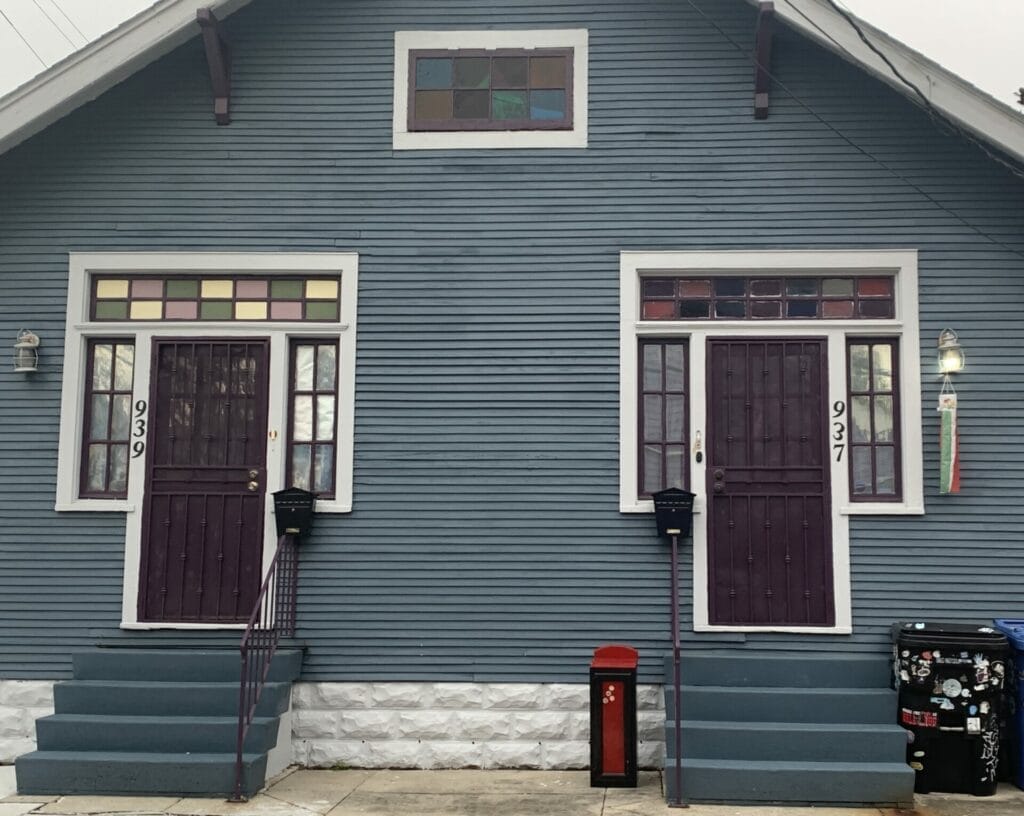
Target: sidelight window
[(872, 379), (110, 371), (313, 416), (663, 416)]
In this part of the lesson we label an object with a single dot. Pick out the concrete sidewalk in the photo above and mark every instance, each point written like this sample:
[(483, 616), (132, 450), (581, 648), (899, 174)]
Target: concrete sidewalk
[(464, 793)]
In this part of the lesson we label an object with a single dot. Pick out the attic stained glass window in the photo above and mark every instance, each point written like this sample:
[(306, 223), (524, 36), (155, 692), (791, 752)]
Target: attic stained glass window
[(501, 89), (768, 298), (202, 298)]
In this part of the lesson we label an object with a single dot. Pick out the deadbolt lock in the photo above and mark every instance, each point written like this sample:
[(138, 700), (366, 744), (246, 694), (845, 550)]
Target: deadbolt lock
[(253, 485), (253, 474)]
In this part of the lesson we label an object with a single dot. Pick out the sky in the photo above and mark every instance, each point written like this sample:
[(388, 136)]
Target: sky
[(981, 40)]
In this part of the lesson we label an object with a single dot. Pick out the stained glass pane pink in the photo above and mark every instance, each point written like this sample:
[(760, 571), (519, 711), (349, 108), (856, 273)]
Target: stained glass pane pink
[(251, 289), (181, 310), (285, 310), (147, 288)]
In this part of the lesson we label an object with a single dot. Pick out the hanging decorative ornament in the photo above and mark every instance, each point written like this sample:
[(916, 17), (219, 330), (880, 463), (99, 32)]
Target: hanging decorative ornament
[(949, 440)]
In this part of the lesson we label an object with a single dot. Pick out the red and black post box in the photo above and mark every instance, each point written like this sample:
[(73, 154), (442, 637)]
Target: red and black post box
[(613, 717)]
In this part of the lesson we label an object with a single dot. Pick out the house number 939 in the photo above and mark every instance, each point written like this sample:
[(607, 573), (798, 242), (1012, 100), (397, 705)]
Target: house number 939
[(838, 429), (139, 431)]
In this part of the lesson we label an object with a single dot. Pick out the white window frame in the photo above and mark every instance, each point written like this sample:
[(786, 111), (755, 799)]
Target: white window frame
[(635, 266), (80, 329), (406, 41)]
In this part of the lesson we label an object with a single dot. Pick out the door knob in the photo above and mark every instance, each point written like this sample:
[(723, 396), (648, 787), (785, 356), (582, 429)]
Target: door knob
[(719, 487), (253, 486), (719, 474), (253, 474)]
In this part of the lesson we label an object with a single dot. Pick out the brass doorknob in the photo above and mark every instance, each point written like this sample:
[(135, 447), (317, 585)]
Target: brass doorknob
[(253, 474), (253, 485)]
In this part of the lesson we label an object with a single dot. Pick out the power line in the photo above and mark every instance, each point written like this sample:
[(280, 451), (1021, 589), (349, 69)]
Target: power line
[(72, 22), (753, 58), (54, 24), (22, 36)]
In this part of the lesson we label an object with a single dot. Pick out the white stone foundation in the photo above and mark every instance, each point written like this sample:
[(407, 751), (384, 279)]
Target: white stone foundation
[(457, 725), (21, 702)]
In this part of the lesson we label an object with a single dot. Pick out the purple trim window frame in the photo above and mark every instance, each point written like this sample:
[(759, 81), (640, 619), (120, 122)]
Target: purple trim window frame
[(321, 449), (663, 415), (111, 432), (873, 396), (420, 124)]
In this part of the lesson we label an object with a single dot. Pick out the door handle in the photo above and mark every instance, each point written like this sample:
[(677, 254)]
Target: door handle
[(719, 487), (253, 486), (719, 475)]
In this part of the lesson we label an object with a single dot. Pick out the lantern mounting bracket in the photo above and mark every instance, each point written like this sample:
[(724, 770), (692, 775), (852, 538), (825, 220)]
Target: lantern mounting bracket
[(218, 58), (763, 58)]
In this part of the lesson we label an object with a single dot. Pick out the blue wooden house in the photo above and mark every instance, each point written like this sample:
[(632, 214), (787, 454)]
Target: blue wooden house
[(484, 277)]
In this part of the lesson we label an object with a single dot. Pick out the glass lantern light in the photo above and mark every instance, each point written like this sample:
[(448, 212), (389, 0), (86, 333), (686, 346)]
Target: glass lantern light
[(951, 355), (26, 352)]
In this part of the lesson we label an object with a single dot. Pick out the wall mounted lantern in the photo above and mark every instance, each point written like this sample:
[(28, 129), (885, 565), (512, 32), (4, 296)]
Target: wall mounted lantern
[(951, 356), (26, 352)]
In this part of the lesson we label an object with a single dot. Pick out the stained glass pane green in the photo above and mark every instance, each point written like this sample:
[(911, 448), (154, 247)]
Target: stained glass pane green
[(433, 73), (215, 310), (182, 289), (286, 289), (472, 72), (111, 310), (321, 310), (508, 105)]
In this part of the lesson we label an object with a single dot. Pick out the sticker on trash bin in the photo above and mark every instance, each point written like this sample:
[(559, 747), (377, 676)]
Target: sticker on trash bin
[(917, 766), (924, 719), (951, 687), (974, 725)]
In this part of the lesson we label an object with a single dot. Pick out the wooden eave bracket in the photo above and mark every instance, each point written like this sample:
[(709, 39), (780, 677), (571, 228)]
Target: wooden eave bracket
[(763, 58), (218, 58)]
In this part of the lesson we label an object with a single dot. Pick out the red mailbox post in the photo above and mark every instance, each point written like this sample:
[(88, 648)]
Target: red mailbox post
[(613, 717)]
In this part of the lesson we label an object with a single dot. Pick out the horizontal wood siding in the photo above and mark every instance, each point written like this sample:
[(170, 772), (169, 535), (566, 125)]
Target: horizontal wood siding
[(485, 543)]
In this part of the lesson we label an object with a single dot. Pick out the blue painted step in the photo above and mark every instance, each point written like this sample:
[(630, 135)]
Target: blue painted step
[(810, 742), (792, 670), (132, 733), (847, 783), (174, 774), (774, 704), (150, 698), (179, 665)]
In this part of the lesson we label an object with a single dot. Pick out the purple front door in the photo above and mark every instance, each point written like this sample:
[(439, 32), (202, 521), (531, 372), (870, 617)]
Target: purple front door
[(202, 524), (769, 516)]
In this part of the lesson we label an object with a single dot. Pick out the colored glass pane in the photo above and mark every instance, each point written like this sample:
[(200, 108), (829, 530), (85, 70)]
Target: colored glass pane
[(286, 289), (837, 309), (509, 72), (508, 105), (730, 308), (695, 288), (874, 287), (147, 288), (320, 310), (766, 288), (218, 289), (692, 309), (182, 289), (766, 309), (547, 72), (251, 310), (837, 287), (215, 310), (472, 72), (659, 288), (802, 308), (112, 310), (547, 105), (659, 310), (434, 105), (472, 105), (801, 287), (181, 310), (875, 308), (433, 73), (251, 289), (730, 287), (108, 289), (322, 289), (285, 310), (147, 310)]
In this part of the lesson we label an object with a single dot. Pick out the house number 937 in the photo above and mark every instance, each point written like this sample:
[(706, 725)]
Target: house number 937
[(139, 430), (838, 429)]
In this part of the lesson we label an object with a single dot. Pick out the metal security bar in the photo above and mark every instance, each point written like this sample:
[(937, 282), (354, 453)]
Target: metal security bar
[(272, 618)]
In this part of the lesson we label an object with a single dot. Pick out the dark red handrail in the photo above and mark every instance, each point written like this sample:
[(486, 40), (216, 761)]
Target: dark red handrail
[(273, 617)]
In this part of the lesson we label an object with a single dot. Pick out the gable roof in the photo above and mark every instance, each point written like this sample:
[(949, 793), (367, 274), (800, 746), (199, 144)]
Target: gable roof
[(87, 73)]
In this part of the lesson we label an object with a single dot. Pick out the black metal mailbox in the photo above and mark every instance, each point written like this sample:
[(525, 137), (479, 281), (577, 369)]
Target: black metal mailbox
[(673, 510), (293, 510)]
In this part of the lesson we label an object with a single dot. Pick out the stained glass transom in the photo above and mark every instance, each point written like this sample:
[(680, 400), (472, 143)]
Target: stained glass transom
[(201, 298), (768, 298)]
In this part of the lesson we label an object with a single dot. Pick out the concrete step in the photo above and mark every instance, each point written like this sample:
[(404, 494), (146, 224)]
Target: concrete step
[(175, 774), (785, 741), (110, 733), (776, 704), (789, 669), (180, 665), (159, 699), (877, 784)]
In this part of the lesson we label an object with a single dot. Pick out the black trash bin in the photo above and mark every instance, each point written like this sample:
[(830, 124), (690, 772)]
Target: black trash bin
[(950, 680)]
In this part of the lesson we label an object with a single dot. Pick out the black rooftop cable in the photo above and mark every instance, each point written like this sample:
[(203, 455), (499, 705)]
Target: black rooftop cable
[(16, 31), (753, 58)]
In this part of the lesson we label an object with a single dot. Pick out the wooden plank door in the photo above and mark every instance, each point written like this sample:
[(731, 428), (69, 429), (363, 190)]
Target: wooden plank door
[(769, 519), (202, 525)]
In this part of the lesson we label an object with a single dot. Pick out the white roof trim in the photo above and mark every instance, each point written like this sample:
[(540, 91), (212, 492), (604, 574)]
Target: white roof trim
[(99, 66), (987, 118)]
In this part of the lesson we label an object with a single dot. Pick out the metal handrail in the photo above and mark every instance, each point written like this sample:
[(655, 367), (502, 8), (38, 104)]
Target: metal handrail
[(273, 617)]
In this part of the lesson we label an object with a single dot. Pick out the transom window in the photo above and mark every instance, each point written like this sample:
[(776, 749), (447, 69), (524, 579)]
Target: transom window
[(768, 298), (506, 89), (187, 298)]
